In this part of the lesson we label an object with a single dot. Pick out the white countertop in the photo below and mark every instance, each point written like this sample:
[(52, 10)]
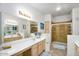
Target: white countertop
[(77, 43), (19, 45)]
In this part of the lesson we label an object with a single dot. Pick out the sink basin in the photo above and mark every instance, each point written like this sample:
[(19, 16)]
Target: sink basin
[(6, 47)]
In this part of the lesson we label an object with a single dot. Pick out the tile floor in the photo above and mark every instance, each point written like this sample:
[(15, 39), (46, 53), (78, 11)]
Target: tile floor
[(60, 51), (55, 52), (45, 54)]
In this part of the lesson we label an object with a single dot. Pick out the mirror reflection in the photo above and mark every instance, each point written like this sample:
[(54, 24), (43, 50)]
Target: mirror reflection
[(16, 28), (11, 33), (10, 29)]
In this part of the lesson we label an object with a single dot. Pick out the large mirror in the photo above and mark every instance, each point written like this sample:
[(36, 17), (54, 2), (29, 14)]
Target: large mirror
[(11, 33), (10, 29), (16, 28)]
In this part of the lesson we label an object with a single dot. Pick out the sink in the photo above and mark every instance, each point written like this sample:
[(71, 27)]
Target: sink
[(6, 47)]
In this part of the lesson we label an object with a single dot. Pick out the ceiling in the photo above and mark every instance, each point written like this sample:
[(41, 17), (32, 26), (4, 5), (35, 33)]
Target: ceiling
[(50, 8)]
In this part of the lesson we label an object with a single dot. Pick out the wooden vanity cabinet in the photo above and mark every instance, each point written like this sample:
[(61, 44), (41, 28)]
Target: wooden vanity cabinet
[(38, 48), (43, 45), (25, 52), (34, 50)]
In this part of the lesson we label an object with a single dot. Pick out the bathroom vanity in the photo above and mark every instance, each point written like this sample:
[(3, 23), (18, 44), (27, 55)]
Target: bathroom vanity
[(15, 37), (25, 47)]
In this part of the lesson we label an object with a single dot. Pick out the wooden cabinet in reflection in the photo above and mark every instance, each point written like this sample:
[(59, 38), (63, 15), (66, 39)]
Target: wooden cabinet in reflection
[(12, 38), (33, 27)]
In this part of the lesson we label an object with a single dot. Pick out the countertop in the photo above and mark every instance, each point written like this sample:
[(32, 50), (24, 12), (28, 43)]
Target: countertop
[(77, 43), (19, 45)]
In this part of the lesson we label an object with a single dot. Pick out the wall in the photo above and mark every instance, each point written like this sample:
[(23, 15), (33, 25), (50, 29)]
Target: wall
[(62, 18), (75, 31), (20, 22), (75, 21), (0, 29), (47, 30), (0, 23), (13, 8)]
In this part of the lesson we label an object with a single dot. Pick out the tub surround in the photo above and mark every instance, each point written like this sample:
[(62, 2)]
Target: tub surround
[(19, 45)]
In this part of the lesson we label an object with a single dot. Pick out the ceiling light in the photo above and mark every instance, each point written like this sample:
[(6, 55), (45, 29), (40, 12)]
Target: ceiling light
[(58, 8)]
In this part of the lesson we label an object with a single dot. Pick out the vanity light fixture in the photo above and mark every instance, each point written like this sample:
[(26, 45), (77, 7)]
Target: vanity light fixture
[(24, 14)]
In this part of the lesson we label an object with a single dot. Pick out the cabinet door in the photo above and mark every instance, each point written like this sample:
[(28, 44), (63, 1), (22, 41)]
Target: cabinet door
[(35, 50), (43, 46), (27, 52), (40, 48)]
